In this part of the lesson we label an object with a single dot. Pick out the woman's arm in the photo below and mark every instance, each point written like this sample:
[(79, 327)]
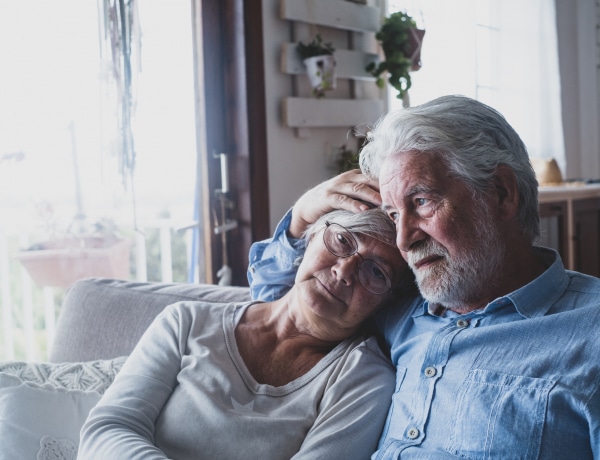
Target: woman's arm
[(122, 424)]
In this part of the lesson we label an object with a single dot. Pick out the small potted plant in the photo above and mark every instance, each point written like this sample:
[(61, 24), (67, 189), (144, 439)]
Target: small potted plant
[(346, 159), (401, 42), (319, 61)]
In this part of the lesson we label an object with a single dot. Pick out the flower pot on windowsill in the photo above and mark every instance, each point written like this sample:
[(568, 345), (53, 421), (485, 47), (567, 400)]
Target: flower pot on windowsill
[(59, 263), (321, 73)]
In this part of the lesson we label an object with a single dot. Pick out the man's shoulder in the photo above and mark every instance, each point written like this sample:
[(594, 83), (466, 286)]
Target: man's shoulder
[(580, 282), (580, 300), (398, 310)]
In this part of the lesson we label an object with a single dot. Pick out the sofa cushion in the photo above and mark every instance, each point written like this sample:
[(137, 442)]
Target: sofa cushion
[(44, 405), (104, 318)]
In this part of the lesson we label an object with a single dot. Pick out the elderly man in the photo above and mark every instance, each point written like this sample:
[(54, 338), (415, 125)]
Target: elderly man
[(498, 354)]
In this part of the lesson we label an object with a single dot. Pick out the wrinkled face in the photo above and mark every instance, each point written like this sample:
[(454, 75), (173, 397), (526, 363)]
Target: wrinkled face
[(336, 302), (449, 239)]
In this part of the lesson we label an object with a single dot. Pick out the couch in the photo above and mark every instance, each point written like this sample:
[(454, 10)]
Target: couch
[(43, 405)]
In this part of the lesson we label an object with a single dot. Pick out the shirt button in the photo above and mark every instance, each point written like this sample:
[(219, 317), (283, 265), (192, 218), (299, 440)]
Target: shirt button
[(430, 372), (413, 433), (462, 323)]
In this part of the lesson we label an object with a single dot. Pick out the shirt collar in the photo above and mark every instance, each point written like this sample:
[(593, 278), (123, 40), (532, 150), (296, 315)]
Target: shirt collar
[(536, 298), (533, 299)]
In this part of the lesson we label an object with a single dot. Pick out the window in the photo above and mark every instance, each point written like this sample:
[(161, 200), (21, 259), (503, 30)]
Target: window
[(59, 174), (501, 52)]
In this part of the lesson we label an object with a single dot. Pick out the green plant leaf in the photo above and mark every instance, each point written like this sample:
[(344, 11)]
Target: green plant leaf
[(314, 48)]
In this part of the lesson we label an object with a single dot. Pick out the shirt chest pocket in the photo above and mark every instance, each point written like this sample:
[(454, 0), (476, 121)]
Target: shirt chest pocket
[(499, 416)]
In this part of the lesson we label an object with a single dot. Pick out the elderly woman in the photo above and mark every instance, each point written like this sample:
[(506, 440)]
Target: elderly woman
[(289, 379)]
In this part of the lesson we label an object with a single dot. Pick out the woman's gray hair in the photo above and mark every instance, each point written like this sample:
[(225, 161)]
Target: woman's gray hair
[(373, 223), (471, 137)]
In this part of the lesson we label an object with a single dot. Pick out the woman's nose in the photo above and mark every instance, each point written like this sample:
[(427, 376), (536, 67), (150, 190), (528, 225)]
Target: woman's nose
[(345, 268)]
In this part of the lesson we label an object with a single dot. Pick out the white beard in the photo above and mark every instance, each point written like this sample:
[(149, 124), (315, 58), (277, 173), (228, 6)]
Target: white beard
[(456, 283)]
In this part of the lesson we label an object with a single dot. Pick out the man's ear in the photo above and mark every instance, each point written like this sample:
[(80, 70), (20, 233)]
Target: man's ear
[(507, 191)]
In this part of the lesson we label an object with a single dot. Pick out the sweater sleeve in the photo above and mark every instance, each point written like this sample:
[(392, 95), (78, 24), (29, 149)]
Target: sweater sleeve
[(122, 425)]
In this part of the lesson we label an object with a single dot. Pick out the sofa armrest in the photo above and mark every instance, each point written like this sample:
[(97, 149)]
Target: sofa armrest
[(104, 318)]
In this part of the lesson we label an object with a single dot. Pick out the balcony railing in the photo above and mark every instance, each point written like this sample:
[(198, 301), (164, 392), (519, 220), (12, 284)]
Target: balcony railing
[(29, 312)]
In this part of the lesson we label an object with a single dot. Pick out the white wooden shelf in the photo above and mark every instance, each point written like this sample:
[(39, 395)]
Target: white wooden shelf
[(339, 14), (349, 63), (310, 112)]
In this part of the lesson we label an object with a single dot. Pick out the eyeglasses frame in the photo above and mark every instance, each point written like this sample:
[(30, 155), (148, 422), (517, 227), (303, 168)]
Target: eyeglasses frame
[(363, 260)]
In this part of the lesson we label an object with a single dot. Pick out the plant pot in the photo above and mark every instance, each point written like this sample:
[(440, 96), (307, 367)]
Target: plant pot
[(321, 73), (59, 263), (415, 43)]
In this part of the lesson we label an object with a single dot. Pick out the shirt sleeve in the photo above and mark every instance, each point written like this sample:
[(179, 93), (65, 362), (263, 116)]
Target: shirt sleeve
[(273, 263), (353, 409), (122, 425), (593, 410)]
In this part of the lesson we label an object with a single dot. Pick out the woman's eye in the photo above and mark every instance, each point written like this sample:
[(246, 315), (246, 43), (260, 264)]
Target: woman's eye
[(377, 273), (343, 241)]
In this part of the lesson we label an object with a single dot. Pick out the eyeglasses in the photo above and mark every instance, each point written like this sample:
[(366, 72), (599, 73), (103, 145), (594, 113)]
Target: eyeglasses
[(341, 243)]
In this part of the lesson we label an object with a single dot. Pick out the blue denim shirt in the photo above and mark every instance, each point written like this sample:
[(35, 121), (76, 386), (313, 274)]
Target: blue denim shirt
[(273, 265), (518, 379)]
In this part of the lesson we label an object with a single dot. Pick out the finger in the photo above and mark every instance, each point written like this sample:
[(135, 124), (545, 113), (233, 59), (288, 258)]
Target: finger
[(352, 204), (358, 187)]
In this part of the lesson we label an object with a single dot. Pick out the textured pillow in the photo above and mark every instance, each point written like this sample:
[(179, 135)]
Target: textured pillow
[(44, 405)]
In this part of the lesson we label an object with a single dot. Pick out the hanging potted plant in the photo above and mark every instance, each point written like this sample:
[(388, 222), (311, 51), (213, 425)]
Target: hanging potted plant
[(401, 41), (319, 61)]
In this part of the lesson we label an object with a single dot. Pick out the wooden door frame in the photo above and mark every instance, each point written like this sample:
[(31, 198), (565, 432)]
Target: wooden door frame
[(229, 59)]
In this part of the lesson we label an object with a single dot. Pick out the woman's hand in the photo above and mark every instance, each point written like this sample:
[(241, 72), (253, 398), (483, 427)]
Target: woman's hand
[(350, 190)]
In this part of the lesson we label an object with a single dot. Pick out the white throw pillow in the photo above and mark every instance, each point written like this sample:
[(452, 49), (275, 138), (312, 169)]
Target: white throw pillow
[(44, 405)]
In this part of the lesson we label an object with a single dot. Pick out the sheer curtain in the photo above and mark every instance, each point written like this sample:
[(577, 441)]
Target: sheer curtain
[(501, 52)]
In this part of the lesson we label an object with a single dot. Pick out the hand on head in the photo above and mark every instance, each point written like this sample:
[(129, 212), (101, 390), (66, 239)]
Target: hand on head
[(351, 191)]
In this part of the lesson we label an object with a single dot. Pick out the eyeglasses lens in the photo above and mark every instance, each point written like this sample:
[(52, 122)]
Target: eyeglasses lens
[(340, 242)]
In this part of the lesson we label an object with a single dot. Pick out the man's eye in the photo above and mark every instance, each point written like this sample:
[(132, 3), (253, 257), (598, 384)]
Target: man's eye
[(393, 216), (421, 201)]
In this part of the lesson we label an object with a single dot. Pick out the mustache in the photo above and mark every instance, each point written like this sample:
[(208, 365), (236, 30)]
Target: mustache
[(426, 249)]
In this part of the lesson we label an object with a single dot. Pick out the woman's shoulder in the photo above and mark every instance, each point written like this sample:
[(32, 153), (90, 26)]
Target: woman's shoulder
[(362, 365), (198, 311), (365, 352)]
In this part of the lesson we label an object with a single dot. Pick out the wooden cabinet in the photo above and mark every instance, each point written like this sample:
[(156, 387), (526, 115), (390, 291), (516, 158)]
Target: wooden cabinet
[(554, 227), (570, 223), (586, 235)]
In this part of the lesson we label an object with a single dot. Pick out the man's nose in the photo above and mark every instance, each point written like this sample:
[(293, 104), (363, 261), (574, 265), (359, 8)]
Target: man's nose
[(408, 231)]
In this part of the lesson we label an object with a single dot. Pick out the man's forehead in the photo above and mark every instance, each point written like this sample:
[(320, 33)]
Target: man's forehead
[(401, 182), (415, 172)]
